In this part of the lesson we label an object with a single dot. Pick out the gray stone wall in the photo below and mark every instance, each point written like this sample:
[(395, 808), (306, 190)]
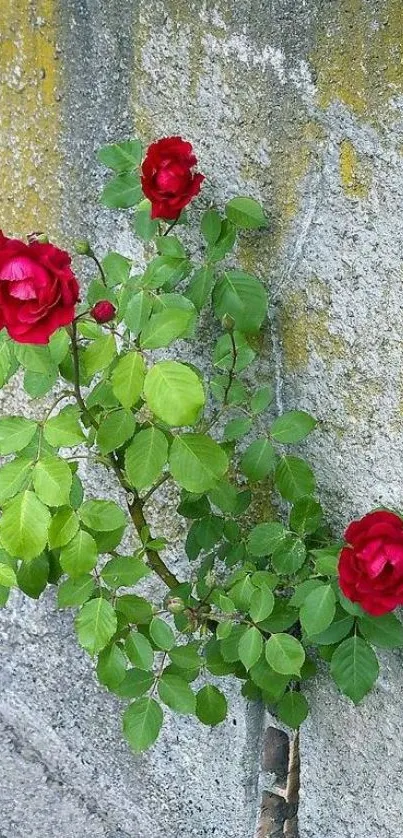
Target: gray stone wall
[(298, 102)]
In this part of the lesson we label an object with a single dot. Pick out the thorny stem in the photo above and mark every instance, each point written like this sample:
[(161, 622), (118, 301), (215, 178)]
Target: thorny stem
[(156, 486), (99, 266), (171, 226), (232, 368), (135, 503)]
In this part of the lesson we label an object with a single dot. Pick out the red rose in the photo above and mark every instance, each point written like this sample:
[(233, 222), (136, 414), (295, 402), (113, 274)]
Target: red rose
[(38, 290), (371, 567), (103, 311), (168, 178)]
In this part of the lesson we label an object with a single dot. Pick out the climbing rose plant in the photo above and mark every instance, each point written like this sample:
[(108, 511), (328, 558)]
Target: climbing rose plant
[(254, 596)]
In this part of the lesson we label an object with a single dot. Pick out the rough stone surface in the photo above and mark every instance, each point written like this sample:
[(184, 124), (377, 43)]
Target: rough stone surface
[(301, 105)]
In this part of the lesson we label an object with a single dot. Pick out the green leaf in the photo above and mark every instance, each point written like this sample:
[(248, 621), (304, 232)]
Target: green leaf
[(245, 213), (224, 243), (318, 610), (250, 647), (128, 379), (102, 394), (5, 367), (237, 428), (77, 492), (32, 577), (351, 607), (170, 246), (243, 298), (114, 430), (52, 480), (211, 705), (241, 593), (210, 226), (197, 462), (327, 559), (261, 604), (142, 722), (145, 457), (292, 426), (122, 157), (166, 271), (229, 647), (124, 571), (306, 516), (223, 356), (339, 628), (301, 591), (102, 515), (174, 393), (162, 634), (139, 650), (285, 654), (224, 496), (63, 527), (292, 709), (7, 576), (200, 287), (14, 477), (99, 354), (138, 311), (354, 668), (258, 460), (144, 226), (24, 526), (111, 667), (385, 631), (268, 680), (116, 269), (15, 433), (74, 592), (261, 399), (165, 327), (176, 694), (135, 683), (79, 555), (186, 657), (37, 384), (64, 430), (265, 538), (289, 556), (294, 478), (34, 358), (136, 609), (122, 192), (95, 625)]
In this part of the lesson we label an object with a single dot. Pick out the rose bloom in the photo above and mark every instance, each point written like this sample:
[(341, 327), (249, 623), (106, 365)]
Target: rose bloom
[(371, 566), (103, 311), (38, 289), (168, 177)]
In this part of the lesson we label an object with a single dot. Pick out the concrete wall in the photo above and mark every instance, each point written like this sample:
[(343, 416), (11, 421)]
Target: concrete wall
[(300, 103)]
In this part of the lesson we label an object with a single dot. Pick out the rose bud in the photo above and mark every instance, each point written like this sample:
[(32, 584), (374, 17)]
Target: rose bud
[(83, 248), (168, 177), (176, 605), (103, 311), (38, 290)]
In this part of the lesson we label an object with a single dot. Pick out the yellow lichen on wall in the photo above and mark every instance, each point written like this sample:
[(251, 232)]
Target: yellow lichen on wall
[(355, 175), (30, 117), (359, 56), (304, 330)]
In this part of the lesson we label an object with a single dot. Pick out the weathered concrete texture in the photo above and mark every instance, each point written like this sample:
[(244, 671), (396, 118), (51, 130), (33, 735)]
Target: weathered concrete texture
[(301, 105)]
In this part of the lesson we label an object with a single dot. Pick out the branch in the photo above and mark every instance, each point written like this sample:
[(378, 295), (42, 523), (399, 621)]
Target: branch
[(232, 368), (135, 505)]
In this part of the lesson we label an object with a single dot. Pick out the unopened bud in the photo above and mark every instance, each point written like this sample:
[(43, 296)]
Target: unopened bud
[(228, 322), (176, 605), (83, 247), (103, 311), (209, 578)]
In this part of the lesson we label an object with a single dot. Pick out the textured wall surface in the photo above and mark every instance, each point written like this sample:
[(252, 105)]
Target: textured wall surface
[(299, 102)]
